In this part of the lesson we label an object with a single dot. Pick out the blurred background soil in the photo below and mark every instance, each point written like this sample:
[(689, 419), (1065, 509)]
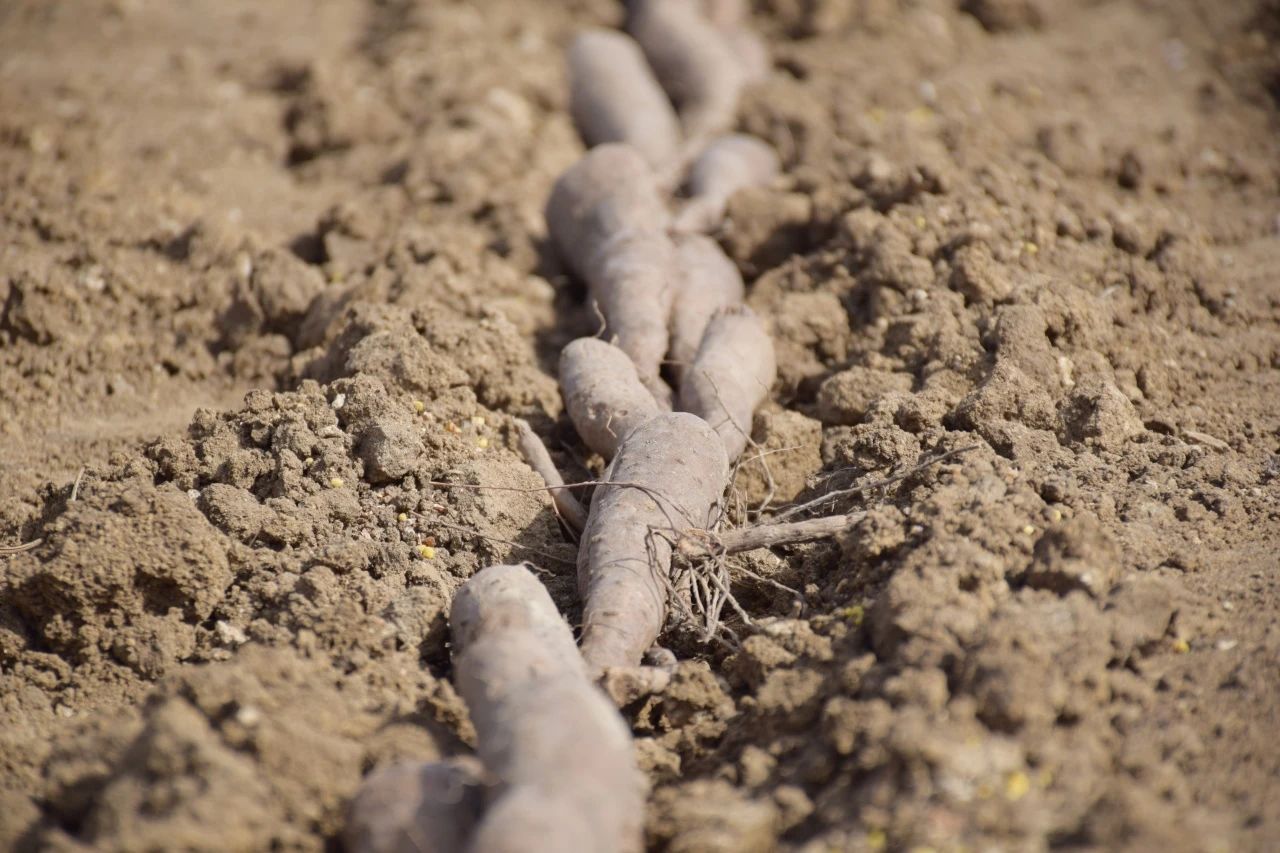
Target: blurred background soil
[(270, 273)]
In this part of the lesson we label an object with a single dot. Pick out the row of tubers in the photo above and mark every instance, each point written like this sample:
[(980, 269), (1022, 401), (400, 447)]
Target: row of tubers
[(666, 398)]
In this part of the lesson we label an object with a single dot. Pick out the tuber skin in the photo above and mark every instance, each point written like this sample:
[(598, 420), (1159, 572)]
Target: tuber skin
[(561, 755), (728, 164), (608, 221), (602, 394), (692, 59), (406, 808), (730, 376), (614, 97), (677, 470), (711, 283), (731, 17)]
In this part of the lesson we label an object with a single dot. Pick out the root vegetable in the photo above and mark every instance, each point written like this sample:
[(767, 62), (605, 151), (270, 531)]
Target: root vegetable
[(412, 807), (561, 754), (692, 60), (728, 164), (671, 471), (535, 453), (602, 393), (609, 223), (725, 13), (730, 376), (710, 282), (614, 97)]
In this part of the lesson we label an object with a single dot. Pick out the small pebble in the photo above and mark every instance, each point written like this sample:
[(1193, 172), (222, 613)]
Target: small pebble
[(248, 716), (1016, 786)]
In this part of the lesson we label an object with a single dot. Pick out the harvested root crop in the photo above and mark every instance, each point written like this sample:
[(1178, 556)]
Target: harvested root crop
[(609, 223), (535, 453), (731, 18), (730, 376), (710, 283), (614, 97), (418, 806), (693, 61), (603, 394), (669, 475), (728, 164), (561, 755)]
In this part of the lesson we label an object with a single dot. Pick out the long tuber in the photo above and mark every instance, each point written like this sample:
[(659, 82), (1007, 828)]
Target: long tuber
[(602, 394), (730, 376), (609, 223), (709, 283), (728, 164), (614, 97), (699, 68), (668, 475), (562, 757)]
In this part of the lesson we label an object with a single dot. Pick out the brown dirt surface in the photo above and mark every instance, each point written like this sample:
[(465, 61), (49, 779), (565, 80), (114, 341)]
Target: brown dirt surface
[(274, 281)]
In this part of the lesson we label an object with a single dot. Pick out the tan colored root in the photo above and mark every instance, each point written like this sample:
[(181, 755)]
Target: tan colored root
[(562, 758), (692, 60), (535, 453), (602, 394), (635, 285), (609, 194), (674, 470), (694, 543), (609, 223), (710, 282), (730, 376), (614, 97), (729, 164)]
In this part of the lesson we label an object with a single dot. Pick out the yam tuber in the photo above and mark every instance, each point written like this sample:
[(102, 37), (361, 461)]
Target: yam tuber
[(730, 376), (710, 282), (614, 97), (692, 59), (609, 223), (728, 164), (602, 394), (670, 472), (562, 757)]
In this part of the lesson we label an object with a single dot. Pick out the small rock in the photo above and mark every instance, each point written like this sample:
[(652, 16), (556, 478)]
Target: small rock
[(389, 449), (1097, 412), (230, 635), (844, 398)]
